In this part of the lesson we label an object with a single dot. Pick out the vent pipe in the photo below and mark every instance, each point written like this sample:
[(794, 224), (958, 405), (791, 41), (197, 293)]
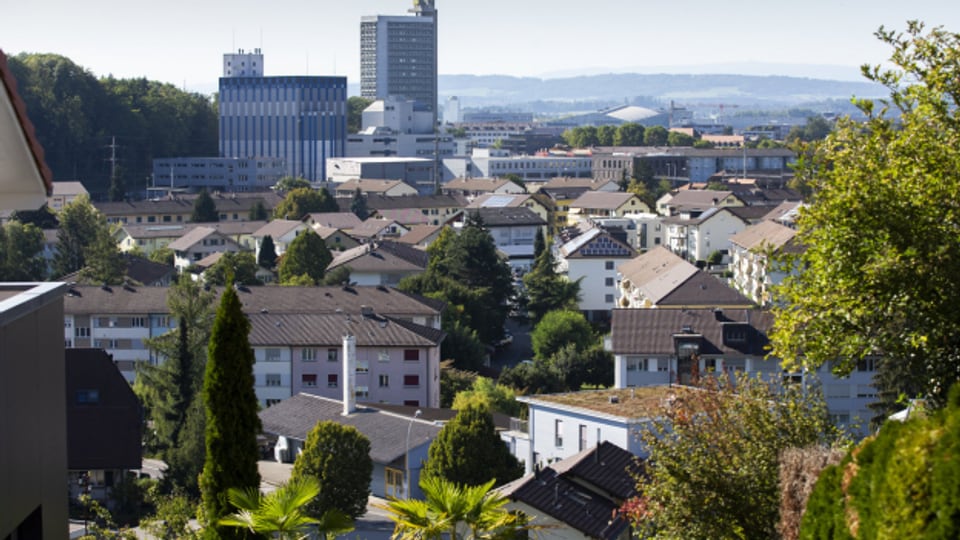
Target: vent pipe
[(349, 374)]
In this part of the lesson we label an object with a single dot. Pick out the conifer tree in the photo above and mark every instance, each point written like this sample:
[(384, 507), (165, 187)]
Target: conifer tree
[(359, 205), (468, 451), (232, 421), (267, 258), (204, 209)]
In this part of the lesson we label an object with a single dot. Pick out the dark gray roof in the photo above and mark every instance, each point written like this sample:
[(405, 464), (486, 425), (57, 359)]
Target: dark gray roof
[(82, 299), (505, 217), (382, 202), (651, 331), (703, 289), (325, 329), (384, 256), (225, 203), (296, 416), (750, 214), (606, 467)]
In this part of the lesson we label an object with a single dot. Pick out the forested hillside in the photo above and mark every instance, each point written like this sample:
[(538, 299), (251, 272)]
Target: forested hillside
[(77, 117)]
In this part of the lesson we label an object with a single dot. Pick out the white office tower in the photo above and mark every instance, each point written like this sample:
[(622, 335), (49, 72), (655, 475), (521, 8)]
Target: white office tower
[(243, 64), (398, 56), (451, 112)]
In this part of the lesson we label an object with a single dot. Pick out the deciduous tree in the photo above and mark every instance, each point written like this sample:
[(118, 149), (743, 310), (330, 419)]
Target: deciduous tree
[(655, 136), (559, 328), (629, 134), (468, 451), (21, 253), (240, 267), (306, 255), (338, 458), (80, 224), (302, 201)]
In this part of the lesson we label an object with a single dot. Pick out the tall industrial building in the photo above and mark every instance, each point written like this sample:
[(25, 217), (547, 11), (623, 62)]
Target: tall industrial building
[(398, 56), (300, 119)]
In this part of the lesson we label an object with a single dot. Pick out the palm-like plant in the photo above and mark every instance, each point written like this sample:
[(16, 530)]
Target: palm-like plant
[(462, 512), (280, 514)]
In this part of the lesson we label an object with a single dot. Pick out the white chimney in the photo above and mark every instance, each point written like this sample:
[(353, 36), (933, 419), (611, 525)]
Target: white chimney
[(349, 373)]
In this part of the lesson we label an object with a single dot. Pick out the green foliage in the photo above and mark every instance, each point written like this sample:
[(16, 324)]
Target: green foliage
[(493, 396), (676, 138), (42, 218), (536, 377), (817, 128), (267, 258), (359, 205), (117, 190), (290, 183), (559, 328), (462, 346), (338, 458), (204, 209), (605, 135), (258, 211), (240, 266), (355, 107), (304, 200), (655, 136), (338, 276), (701, 144), (306, 255), (881, 245), (581, 136), (231, 406), (629, 134), (546, 289), (452, 382), (21, 253), (303, 280), (171, 518), (902, 483), (80, 226), (576, 367), (468, 451), (712, 470), (101, 525), (539, 243), (163, 255), (454, 511), (104, 262), (75, 115)]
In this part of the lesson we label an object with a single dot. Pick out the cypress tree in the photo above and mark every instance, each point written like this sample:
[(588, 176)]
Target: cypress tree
[(359, 205), (232, 421), (204, 209), (267, 258)]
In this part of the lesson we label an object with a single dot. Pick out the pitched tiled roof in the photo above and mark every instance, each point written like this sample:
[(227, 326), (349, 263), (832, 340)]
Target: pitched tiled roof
[(183, 204), (605, 466), (191, 238), (383, 256), (764, 234), (699, 197), (749, 214), (476, 184), (404, 216), (568, 182), (335, 220), (704, 290), (277, 228), (657, 272), (419, 233), (603, 200), (368, 185), (500, 200), (82, 299), (296, 416), (326, 329), (370, 228), (650, 331), (505, 217), (596, 243), (380, 202), (9, 86)]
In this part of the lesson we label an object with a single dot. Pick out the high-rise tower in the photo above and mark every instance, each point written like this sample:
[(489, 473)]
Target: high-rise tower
[(398, 56)]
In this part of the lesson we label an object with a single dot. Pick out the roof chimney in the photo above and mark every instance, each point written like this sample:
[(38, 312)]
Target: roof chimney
[(349, 373)]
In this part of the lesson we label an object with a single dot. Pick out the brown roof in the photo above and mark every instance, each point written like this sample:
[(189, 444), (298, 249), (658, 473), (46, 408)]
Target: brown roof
[(657, 272), (9, 85), (604, 200), (278, 228), (191, 238), (382, 257), (704, 290), (369, 186), (334, 220), (568, 182), (379, 202), (651, 331), (506, 217), (509, 200), (476, 184), (371, 227), (419, 233), (327, 330), (627, 403), (699, 197), (765, 233)]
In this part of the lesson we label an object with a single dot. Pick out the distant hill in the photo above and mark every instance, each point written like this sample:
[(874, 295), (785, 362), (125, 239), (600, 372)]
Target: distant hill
[(595, 91)]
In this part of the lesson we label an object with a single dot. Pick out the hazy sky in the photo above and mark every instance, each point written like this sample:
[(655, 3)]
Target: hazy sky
[(182, 41)]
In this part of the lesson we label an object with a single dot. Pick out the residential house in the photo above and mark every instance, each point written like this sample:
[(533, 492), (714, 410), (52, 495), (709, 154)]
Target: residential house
[(397, 443), (673, 202), (33, 455), (471, 188), (200, 242), (421, 236), (374, 229), (387, 188), (234, 206), (602, 204), (592, 259), (396, 361), (417, 172), (559, 201), (119, 319), (282, 232), (149, 238), (336, 239), (660, 346), (408, 217), (525, 200), (754, 274), (65, 193), (579, 497), (514, 231), (696, 233), (334, 220), (440, 209), (381, 263), (104, 422), (588, 183), (661, 279)]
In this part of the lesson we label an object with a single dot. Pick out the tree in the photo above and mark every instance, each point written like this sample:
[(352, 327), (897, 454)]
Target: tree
[(455, 512), (240, 267), (712, 470), (605, 135), (462, 346), (118, 189), (339, 276), (468, 451), (593, 366), (880, 244), (280, 513), (104, 262), (204, 209), (558, 328), (452, 382), (546, 289), (817, 128), (258, 211), (355, 107), (306, 255), (302, 201), (267, 258), (536, 377), (655, 136), (539, 243), (484, 391), (80, 225), (290, 183), (581, 136), (629, 134), (42, 218), (676, 138), (21, 253), (163, 255), (359, 205), (338, 458), (231, 405)]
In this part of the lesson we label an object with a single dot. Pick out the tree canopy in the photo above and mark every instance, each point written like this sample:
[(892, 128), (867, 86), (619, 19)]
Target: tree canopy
[(559, 328), (204, 209), (468, 450), (546, 289), (81, 226), (233, 267), (629, 134), (655, 136), (21, 253), (338, 457), (307, 255), (881, 235), (301, 201)]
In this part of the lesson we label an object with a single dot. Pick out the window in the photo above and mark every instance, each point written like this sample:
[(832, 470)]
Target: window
[(411, 402), (332, 380), (558, 432), (608, 298), (394, 482), (411, 355), (308, 380), (867, 364), (608, 265), (162, 322), (383, 355), (384, 381), (138, 322), (331, 355), (271, 355), (363, 366), (81, 331), (88, 397), (308, 354), (272, 402), (273, 379), (68, 323), (361, 392), (608, 282), (411, 381), (583, 437)]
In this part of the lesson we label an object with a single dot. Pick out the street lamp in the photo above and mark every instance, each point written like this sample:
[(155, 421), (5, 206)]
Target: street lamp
[(406, 456)]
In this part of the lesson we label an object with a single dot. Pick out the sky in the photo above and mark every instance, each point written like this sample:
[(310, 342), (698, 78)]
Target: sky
[(182, 41)]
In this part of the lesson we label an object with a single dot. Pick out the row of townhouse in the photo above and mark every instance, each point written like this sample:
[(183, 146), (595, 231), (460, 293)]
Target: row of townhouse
[(293, 332)]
